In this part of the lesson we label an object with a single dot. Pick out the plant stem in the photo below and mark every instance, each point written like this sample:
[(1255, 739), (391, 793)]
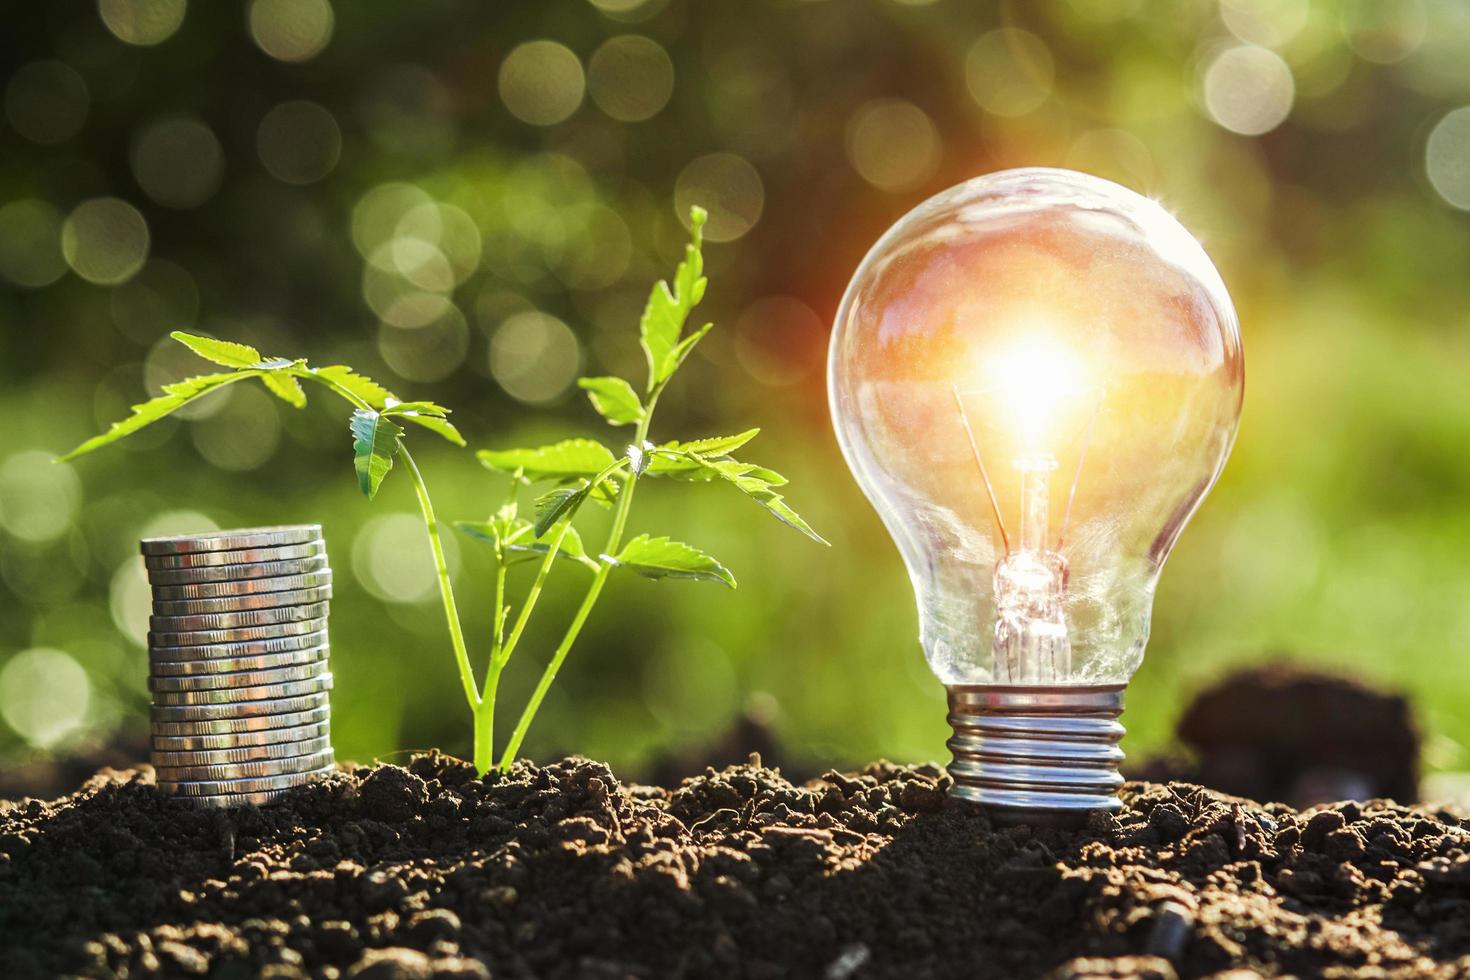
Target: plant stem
[(483, 720), (614, 538), (446, 590)]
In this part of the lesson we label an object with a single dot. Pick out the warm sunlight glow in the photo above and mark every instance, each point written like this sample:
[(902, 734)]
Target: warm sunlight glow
[(1035, 381)]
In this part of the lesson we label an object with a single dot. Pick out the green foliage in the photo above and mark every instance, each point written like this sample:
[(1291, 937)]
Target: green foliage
[(666, 558), (565, 460), (577, 470), (668, 309), (614, 399), (175, 396), (582, 470), (374, 441)]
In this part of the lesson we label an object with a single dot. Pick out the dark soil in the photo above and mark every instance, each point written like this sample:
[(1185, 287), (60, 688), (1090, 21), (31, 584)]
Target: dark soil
[(563, 872), (1301, 735)]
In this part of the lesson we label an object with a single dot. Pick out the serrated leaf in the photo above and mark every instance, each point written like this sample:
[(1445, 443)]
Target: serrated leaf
[(777, 505), (756, 482), (553, 506), (368, 390), (568, 459), (225, 352), (667, 309), (571, 548), (675, 358), (669, 459), (665, 558), (174, 397), (285, 387), (396, 407), (614, 399), (374, 441)]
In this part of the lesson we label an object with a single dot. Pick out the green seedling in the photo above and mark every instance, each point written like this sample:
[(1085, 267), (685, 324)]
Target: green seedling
[(574, 470)]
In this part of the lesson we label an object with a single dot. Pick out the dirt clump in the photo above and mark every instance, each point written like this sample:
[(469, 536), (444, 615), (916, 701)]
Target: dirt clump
[(561, 871)]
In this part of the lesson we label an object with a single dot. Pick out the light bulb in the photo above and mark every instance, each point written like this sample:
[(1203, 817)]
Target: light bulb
[(1036, 377)]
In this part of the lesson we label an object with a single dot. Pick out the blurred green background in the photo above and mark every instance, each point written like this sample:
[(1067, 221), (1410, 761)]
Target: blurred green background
[(469, 201)]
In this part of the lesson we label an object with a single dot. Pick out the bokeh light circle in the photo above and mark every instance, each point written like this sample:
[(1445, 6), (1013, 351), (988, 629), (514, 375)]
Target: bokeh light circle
[(1248, 90), (377, 213), (392, 560), (630, 77), (428, 351), (291, 30), (44, 694), (779, 340), (1447, 158), (178, 162), (244, 434), (142, 22), (299, 142), (1267, 22), (30, 243), (1384, 31), (46, 102), (160, 298), (1009, 71), (725, 185), (541, 82), (130, 600), (893, 144), (38, 499), (105, 240), (534, 356)]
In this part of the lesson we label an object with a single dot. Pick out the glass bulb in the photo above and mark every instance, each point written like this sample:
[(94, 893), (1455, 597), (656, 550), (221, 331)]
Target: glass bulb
[(1036, 377)]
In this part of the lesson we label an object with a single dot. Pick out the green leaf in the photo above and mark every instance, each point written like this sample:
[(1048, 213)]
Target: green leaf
[(667, 309), (675, 358), (561, 502), (374, 394), (756, 482), (396, 407), (571, 548), (285, 387), (225, 352), (669, 459), (374, 441), (174, 397), (665, 558), (614, 399), (568, 459), (426, 414)]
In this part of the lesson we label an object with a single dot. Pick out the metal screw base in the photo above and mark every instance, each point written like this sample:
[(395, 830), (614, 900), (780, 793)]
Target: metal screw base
[(1036, 754)]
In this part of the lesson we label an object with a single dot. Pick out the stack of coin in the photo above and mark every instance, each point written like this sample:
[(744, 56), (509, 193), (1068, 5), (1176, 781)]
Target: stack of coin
[(237, 658)]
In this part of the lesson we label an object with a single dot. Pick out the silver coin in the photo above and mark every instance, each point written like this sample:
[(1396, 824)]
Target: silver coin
[(251, 586), (237, 620), (247, 678), (248, 556), (234, 695), (237, 573), (255, 785), (244, 770), (192, 638), (267, 708), (241, 603), (249, 648), (180, 669), (231, 801), (234, 539), (239, 754), (319, 713), (241, 740)]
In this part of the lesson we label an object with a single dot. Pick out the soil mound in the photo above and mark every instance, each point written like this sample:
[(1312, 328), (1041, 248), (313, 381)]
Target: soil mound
[(561, 871)]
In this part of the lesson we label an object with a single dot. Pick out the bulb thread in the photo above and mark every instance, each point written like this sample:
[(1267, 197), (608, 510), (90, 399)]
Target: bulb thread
[(1036, 750)]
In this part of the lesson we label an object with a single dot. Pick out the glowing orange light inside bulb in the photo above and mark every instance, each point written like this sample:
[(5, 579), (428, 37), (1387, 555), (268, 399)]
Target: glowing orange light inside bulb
[(1035, 382)]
